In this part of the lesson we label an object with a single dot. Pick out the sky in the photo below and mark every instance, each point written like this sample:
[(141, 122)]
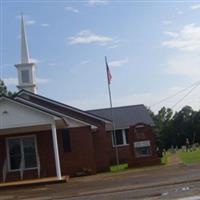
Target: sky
[(152, 47)]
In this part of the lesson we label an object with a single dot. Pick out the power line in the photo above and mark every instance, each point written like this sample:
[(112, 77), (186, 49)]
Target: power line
[(175, 94), (193, 88)]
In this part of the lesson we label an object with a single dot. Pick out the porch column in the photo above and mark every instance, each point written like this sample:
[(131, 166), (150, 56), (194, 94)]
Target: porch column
[(56, 152)]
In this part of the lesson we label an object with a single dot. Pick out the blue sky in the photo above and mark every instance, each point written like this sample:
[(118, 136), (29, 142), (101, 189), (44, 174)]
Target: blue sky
[(153, 50)]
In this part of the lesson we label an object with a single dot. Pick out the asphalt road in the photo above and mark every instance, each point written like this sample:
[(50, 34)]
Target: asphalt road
[(187, 191), (164, 182)]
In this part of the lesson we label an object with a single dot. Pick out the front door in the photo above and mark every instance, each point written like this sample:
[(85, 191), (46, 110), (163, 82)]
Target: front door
[(22, 153)]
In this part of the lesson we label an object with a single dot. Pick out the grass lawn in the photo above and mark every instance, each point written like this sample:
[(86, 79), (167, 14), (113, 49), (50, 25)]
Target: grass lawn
[(124, 167), (117, 168), (189, 157), (164, 159)]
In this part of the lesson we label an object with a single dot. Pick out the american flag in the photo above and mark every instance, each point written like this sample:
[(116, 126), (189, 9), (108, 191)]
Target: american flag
[(109, 75)]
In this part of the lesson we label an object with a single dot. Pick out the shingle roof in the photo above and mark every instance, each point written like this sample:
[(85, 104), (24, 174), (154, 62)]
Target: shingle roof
[(126, 115), (57, 105)]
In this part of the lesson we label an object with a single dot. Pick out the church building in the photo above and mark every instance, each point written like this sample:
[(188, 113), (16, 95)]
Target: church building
[(41, 138)]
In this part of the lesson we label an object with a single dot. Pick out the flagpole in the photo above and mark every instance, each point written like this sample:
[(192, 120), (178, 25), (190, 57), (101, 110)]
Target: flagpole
[(112, 115)]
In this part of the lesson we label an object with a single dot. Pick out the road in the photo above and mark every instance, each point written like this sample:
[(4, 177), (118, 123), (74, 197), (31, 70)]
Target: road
[(162, 182), (178, 191)]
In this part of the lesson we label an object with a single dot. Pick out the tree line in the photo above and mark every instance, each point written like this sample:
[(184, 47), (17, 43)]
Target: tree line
[(172, 129)]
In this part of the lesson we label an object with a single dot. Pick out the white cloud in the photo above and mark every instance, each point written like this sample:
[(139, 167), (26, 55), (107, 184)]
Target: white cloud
[(167, 22), (10, 81), (98, 2), (187, 39), (35, 60), (195, 7), (44, 25), (185, 61), (52, 64), (150, 99), (172, 34), (30, 22), (18, 16), (180, 12), (118, 63), (101, 100), (71, 9), (133, 99), (14, 81), (2, 65), (84, 62), (42, 80), (88, 37), (187, 65), (114, 46)]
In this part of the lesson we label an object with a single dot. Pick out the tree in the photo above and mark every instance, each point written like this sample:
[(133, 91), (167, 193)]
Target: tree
[(173, 129), (196, 128), (163, 127), (4, 90), (183, 123)]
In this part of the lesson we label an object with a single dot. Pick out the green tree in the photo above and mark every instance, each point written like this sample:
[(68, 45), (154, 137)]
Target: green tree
[(196, 127), (163, 127), (183, 123), (173, 129), (4, 90)]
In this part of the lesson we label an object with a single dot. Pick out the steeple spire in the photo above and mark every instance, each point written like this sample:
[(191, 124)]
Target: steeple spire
[(24, 45), (26, 69)]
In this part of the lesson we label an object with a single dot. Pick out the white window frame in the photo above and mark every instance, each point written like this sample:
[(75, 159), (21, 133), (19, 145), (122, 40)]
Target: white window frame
[(143, 143), (123, 136), (22, 153)]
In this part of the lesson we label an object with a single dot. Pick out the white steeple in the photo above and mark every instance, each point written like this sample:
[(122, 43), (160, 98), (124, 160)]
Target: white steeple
[(26, 70), (24, 45)]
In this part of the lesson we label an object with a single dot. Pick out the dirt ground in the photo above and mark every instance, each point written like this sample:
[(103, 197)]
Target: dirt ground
[(136, 181)]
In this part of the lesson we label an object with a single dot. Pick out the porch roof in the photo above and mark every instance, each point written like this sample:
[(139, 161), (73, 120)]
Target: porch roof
[(15, 113)]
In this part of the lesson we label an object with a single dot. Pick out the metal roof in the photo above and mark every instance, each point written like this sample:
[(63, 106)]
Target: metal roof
[(125, 116)]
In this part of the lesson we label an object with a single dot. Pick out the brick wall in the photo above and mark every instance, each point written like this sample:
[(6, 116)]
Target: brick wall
[(102, 149), (127, 152), (91, 150), (82, 153)]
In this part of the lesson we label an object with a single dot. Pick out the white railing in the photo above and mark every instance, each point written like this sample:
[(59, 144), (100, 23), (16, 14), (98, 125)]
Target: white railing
[(22, 169), (5, 170), (38, 167)]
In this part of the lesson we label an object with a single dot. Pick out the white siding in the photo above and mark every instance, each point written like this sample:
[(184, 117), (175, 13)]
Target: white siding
[(13, 115)]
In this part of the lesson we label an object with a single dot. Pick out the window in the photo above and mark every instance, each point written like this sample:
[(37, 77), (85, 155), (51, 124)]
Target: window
[(15, 153), (66, 140), (121, 137), (142, 148), (22, 153), (25, 76), (29, 153)]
